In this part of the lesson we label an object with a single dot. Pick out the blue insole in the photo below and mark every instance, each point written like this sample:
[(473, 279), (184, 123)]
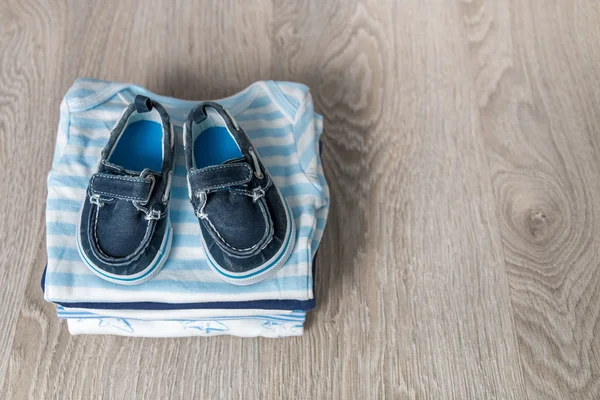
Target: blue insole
[(214, 146), (139, 147)]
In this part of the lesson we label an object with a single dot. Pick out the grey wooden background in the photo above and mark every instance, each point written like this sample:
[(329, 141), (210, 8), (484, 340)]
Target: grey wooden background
[(462, 148)]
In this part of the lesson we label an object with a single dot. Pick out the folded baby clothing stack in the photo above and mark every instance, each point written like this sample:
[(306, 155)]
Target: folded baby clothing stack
[(186, 297)]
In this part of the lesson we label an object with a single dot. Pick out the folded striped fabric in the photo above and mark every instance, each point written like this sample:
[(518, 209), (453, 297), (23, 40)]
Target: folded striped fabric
[(186, 297)]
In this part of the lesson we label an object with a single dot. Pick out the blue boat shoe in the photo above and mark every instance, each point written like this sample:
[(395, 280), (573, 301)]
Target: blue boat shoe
[(124, 234), (247, 229)]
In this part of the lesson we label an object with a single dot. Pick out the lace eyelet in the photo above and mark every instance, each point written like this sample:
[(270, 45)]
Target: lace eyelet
[(257, 193), (202, 196), (97, 200), (153, 214)]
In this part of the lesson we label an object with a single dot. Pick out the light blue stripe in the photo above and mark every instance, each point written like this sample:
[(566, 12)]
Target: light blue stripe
[(287, 170), (179, 240), (295, 102), (187, 240), (322, 181), (197, 319), (59, 228), (297, 189), (301, 87), (294, 316), (314, 246), (114, 106), (64, 123), (310, 151), (69, 181), (199, 264), (303, 122), (179, 193), (261, 101), (83, 123), (79, 93), (281, 100), (248, 115), (321, 222), (192, 319), (78, 159), (84, 141), (299, 210), (286, 150), (168, 286), (180, 170), (62, 205), (183, 216), (71, 254), (268, 132), (63, 253), (298, 312), (62, 135), (307, 157)]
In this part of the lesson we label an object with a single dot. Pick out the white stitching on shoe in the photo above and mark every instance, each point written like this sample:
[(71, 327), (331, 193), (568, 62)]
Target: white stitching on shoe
[(216, 168), (122, 178), (257, 193), (213, 187), (153, 214), (97, 200), (120, 196), (202, 196)]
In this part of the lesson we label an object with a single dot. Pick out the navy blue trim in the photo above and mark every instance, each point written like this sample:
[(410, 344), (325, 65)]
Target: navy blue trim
[(314, 274), (298, 305), (142, 104), (43, 282)]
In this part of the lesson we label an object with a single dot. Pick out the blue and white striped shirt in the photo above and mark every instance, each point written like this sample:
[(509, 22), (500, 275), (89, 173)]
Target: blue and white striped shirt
[(279, 118)]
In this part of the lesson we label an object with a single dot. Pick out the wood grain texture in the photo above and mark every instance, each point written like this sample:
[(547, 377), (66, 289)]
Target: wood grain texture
[(413, 258), (536, 69), (26, 84), (462, 151)]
